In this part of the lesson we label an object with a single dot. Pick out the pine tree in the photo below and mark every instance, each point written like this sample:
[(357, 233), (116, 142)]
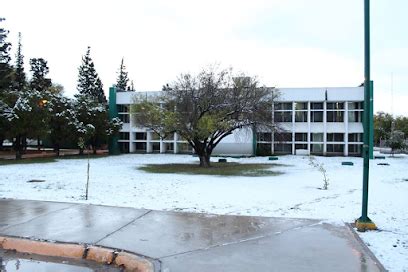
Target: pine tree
[(6, 73), (19, 77), (39, 68), (5, 68), (88, 80), (122, 80)]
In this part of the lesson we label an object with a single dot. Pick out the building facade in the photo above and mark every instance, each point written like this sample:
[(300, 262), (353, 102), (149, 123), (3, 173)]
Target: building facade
[(317, 121)]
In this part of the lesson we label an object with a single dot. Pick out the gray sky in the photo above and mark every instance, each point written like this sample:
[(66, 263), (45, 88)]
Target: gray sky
[(286, 43)]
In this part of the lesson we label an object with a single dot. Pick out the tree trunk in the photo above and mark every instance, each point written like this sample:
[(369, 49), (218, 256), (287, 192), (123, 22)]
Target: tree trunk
[(81, 151), (57, 149), (23, 148), (18, 148), (94, 149), (38, 144), (204, 160), (1, 143)]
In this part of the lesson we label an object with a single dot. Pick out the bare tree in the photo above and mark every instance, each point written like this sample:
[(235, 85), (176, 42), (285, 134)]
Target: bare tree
[(206, 108)]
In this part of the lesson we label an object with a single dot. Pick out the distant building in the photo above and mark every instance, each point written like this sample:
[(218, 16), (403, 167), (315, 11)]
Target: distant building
[(317, 121)]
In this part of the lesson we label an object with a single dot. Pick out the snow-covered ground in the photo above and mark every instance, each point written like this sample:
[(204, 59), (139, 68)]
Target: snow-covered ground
[(118, 181)]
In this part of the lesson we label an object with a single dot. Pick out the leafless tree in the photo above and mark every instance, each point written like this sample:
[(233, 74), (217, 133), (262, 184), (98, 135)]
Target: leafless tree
[(206, 108)]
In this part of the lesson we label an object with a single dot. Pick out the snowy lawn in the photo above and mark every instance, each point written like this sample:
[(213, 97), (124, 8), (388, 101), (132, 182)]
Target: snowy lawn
[(118, 181)]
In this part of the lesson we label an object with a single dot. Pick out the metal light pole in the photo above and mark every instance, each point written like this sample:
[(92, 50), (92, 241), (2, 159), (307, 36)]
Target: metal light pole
[(364, 223)]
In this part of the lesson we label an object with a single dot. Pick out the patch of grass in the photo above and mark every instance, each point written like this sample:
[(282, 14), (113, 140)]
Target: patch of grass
[(80, 157), (218, 169), (27, 161)]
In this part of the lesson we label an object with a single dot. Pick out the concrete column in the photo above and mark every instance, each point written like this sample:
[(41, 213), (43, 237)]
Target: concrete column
[(162, 145), (132, 147), (346, 128), (325, 128), (293, 127), (175, 148), (149, 145)]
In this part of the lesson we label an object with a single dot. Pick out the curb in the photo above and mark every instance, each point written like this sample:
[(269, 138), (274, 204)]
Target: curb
[(365, 247), (131, 262)]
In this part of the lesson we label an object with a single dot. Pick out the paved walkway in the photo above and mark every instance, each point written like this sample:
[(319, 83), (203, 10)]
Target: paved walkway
[(193, 242)]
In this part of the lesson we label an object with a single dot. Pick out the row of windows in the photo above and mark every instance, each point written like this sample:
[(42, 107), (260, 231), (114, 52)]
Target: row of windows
[(142, 136), (317, 116), (265, 149), (288, 106), (155, 147), (314, 137)]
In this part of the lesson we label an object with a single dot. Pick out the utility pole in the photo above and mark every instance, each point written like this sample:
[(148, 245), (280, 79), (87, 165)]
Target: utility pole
[(364, 223)]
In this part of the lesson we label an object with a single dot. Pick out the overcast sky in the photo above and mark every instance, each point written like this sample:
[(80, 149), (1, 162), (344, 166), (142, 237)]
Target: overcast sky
[(286, 43)]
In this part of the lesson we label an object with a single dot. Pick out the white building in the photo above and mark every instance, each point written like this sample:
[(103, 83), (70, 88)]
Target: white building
[(321, 121)]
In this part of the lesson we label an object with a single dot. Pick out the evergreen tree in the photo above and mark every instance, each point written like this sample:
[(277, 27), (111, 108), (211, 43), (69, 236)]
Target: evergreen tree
[(5, 68), (6, 73), (19, 77), (93, 123), (62, 121), (39, 68), (89, 82), (100, 95), (122, 80)]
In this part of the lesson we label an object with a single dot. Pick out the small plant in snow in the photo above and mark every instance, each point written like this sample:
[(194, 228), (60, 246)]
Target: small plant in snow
[(320, 167), (81, 144)]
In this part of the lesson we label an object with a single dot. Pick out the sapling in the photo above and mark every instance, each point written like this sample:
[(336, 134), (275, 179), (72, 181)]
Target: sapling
[(81, 144), (320, 167)]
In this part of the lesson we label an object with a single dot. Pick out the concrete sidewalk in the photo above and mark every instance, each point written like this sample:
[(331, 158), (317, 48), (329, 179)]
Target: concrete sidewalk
[(193, 242)]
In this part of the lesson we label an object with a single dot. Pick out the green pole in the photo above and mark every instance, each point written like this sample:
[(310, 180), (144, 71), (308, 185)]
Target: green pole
[(254, 142), (113, 112), (364, 223)]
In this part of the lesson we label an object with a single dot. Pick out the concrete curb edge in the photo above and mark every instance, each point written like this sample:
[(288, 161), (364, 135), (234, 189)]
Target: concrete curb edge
[(365, 247), (130, 261)]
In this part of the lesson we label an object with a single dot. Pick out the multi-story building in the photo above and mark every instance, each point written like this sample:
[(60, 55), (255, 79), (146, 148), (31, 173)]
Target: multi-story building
[(320, 121)]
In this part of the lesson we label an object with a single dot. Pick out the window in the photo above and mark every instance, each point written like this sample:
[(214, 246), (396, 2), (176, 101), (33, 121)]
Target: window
[(335, 148), (169, 137), (300, 146), (316, 116), (283, 106), (283, 148), (156, 147), (301, 137), (316, 137), (335, 137), (316, 148), (124, 147), (335, 105), (283, 116), (355, 116), (355, 105), (335, 116), (155, 136), (122, 108), (283, 137), (316, 105), (140, 136), (355, 137), (355, 149), (300, 105), (140, 146), (184, 148), (264, 137), (263, 149), (124, 118), (301, 116), (123, 135)]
